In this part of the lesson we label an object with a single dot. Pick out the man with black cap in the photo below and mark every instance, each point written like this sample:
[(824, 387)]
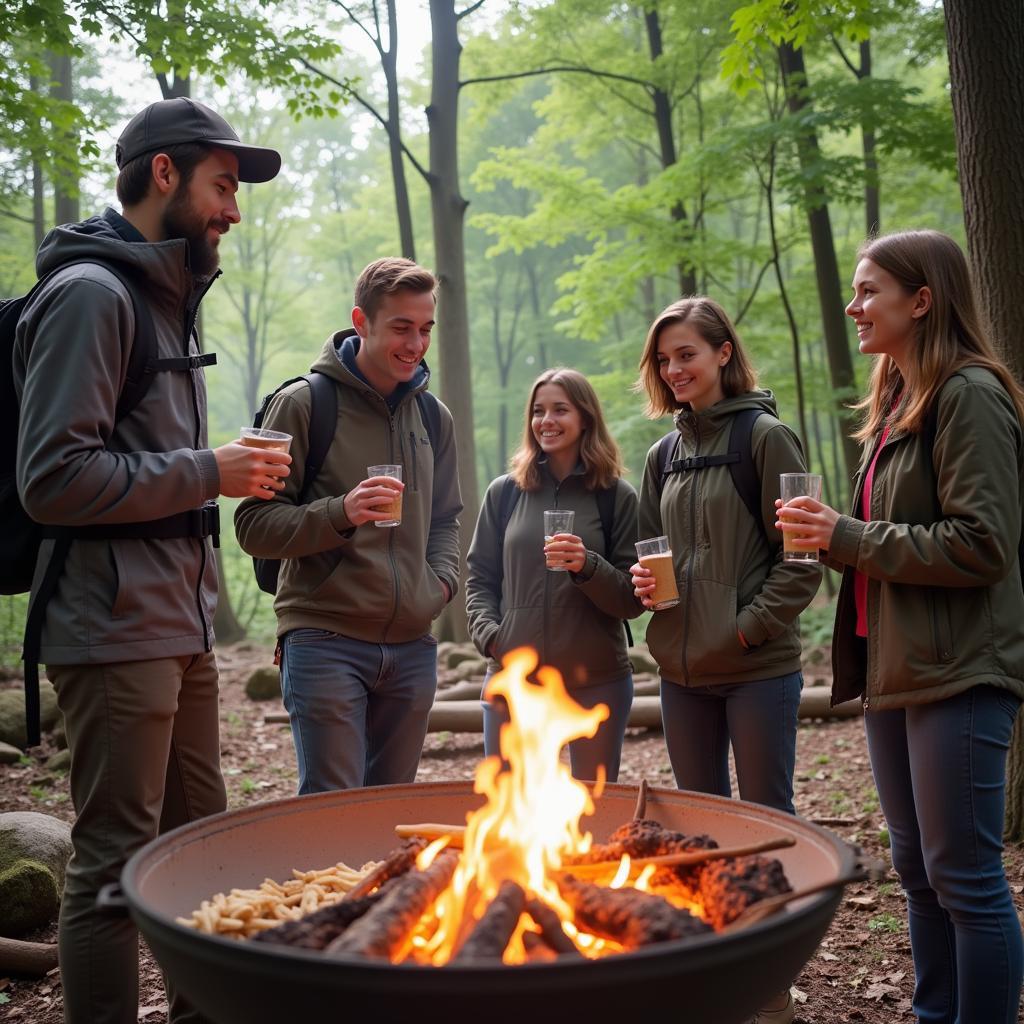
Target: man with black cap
[(127, 631)]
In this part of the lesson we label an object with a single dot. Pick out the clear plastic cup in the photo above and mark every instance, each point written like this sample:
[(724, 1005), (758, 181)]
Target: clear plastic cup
[(797, 485), (394, 507), (656, 554), (557, 520), (258, 437)]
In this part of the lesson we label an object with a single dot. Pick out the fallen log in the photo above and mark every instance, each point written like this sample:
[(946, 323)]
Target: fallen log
[(30, 958), (491, 934), (386, 927), (449, 715), (627, 916)]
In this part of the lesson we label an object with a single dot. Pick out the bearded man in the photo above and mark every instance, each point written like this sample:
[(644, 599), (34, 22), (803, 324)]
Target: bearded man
[(127, 635)]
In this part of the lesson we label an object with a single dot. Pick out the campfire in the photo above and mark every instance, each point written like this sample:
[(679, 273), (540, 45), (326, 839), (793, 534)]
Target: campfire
[(521, 881)]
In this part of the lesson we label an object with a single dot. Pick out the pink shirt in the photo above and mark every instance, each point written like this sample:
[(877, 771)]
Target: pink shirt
[(860, 581)]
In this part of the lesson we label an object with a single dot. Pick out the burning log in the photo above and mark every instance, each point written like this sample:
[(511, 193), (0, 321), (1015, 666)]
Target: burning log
[(728, 887), (551, 931), (396, 863), (319, 929), (455, 834), (385, 928), (627, 916), (491, 934), (641, 801)]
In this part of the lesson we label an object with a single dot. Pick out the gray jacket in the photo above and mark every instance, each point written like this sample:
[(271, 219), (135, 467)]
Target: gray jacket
[(120, 600)]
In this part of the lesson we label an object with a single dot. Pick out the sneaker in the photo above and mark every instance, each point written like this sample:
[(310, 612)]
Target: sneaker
[(782, 1016)]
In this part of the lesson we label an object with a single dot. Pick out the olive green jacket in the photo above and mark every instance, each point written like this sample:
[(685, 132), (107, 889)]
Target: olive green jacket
[(945, 606), (729, 570), (574, 621)]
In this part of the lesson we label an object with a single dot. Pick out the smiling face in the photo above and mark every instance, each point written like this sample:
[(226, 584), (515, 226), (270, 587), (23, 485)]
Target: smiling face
[(203, 209), (885, 313), (690, 366), (394, 341), (556, 423)]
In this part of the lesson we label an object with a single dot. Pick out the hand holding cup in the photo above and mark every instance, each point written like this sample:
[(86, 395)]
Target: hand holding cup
[(378, 498), (560, 544)]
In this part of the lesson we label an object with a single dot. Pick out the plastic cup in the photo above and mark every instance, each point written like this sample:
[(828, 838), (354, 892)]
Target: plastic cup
[(258, 437), (393, 507), (656, 554), (557, 520), (797, 485)]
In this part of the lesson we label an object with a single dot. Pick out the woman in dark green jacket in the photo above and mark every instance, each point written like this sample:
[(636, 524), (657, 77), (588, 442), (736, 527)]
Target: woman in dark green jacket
[(930, 620), (516, 593)]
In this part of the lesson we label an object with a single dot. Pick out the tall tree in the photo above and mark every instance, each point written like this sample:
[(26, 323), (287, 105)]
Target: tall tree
[(986, 77)]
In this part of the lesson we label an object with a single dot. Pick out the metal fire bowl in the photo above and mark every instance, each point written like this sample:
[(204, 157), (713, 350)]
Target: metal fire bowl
[(718, 979)]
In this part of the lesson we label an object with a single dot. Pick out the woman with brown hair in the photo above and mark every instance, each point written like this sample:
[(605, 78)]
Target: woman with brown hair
[(930, 620), (567, 596), (729, 652)]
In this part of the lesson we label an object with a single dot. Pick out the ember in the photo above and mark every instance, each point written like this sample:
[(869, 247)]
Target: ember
[(522, 881)]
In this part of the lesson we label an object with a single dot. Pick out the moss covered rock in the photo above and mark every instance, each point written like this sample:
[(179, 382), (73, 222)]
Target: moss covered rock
[(29, 897), (264, 684)]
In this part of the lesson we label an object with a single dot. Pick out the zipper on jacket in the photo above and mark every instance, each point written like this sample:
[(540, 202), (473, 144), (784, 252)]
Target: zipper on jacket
[(412, 460), (391, 532), (690, 554), (547, 595)]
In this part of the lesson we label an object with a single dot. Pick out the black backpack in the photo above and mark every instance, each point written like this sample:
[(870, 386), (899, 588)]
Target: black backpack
[(509, 498), (323, 422), (20, 536), (739, 458)]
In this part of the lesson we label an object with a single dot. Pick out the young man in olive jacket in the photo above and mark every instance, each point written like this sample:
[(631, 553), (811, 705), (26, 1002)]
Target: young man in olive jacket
[(355, 599), (127, 638)]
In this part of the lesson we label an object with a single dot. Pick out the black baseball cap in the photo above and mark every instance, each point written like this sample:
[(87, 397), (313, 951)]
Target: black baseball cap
[(171, 122)]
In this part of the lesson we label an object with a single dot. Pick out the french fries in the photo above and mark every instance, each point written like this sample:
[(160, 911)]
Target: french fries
[(243, 912)]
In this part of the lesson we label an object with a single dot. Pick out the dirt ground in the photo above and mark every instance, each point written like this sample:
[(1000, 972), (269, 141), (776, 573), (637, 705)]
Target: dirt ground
[(861, 973)]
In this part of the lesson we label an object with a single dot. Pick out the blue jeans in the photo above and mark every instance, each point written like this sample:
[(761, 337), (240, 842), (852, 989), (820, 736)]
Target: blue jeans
[(940, 770), (585, 755), (358, 710), (758, 718)]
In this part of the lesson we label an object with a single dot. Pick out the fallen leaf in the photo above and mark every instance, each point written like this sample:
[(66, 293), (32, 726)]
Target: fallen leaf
[(878, 990)]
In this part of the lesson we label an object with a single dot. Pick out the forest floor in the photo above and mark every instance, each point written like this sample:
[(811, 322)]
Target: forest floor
[(861, 973)]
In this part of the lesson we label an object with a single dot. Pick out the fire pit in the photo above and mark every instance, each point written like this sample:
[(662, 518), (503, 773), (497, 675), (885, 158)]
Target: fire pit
[(713, 979)]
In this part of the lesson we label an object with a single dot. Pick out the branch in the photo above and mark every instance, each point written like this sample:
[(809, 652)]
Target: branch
[(354, 18), (559, 67), (16, 216), (469, 10), (371, 109), (753, 291), (842, 53)]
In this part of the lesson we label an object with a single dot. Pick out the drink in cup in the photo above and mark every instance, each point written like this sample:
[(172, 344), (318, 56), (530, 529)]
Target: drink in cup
[(557, 520), (797, 485), (656, 555), (258, 437), (393, 507)]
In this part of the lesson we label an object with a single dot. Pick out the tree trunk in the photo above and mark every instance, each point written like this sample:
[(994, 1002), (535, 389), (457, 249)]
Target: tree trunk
[(65, 189), (389, 59), (986, 76), (872, 188), (986, 80), (826, 269), (448, 209), (667, 142), (38, 200)]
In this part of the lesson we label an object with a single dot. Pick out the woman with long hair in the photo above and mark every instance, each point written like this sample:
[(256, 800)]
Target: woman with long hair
[(566, 597), (930, 619), (729, 652)]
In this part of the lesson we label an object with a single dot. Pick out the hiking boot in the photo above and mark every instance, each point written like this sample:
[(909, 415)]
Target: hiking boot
[(782, 1016)]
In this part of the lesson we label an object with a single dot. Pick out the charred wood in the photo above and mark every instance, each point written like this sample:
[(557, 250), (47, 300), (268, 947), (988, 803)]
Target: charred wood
[(385, 928), (551, 930), (397, 862), (728, 887), (491, 934), (320, 928), (627, 916)]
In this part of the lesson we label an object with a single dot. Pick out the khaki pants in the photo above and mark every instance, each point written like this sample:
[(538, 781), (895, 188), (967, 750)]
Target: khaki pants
[(145, 758)]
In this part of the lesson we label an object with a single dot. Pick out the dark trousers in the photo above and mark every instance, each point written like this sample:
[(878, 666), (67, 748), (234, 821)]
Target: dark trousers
[(759, 719), (145, 758), (587, 754), (940, 770)]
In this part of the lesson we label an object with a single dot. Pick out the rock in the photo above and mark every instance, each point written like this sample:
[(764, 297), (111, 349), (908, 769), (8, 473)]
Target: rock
[(264, 684), (442, 651), (470, 669), (34, 853), (29, 897), (12, 713), (460, 653), (642, 661), (60, 762), (9, 754)]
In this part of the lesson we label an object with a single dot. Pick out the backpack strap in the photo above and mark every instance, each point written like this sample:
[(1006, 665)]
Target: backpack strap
[(742, 469), (430, 413), (507, 501), (323, 423), (666, 448)]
